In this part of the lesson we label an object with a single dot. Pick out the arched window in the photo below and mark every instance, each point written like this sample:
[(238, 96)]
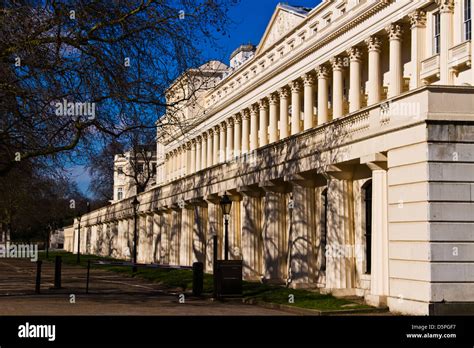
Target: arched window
[(367, 196), (324, 227)]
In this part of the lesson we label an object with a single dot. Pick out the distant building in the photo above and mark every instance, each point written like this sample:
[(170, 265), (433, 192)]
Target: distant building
[(129, 168), (56, 239)]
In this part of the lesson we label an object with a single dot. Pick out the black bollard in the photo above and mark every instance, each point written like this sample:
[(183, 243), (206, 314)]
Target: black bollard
[(38, 276), (88, 275), (198, 278), (57, 272)]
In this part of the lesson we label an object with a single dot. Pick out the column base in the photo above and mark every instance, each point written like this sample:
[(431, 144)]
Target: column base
[(306, 285), (376, 300)]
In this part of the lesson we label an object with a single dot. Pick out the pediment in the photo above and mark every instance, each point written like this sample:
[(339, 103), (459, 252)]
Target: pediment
[(283, 20)]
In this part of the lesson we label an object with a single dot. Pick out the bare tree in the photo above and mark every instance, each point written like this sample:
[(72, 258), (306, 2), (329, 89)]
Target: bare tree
[(72, 72)]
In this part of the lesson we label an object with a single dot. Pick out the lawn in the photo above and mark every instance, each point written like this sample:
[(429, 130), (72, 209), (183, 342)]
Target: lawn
[(183, 279)]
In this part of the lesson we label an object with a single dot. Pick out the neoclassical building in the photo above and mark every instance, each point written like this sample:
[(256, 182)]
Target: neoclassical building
[(345, 140)]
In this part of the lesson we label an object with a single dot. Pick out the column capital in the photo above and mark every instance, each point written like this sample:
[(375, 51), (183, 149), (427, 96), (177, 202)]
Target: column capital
[(210, 132), (337, 63), (295, 86), (189, 144), (204, 136), (263, 104), (394, 31), (308, 79), (229, 122), (254, 109), (237, 118), (322, 72), (417, 19), (445, 6), (273, 98), (374, 43), (223, 126), (245, 114), (355, 54), (284, 92), (217, 128), (198, 139)]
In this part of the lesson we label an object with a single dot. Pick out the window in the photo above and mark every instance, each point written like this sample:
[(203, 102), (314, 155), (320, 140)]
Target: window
[(324, 227), (467, 20), (119, 193), (367, 195), (120, 170), (436, 32)]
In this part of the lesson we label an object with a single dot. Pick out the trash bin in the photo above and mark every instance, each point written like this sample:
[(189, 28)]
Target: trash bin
[(229, 278), (198, 278)]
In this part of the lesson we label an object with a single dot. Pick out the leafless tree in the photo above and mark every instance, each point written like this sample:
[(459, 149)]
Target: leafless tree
[(72, 72)]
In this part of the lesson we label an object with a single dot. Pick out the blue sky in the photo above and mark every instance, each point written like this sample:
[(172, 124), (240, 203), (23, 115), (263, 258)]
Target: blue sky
[(250, 19)]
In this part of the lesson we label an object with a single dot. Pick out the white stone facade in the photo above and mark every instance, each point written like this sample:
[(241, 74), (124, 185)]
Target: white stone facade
[(347, 146)]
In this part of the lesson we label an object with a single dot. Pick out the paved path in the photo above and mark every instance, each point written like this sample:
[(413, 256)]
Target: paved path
[(110, 294)]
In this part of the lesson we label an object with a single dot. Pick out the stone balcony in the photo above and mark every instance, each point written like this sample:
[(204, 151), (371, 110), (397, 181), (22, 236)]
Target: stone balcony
[(430, 67), (341, 141), (460, 55)]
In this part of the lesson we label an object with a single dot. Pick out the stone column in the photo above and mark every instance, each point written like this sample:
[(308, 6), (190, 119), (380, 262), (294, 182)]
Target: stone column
[(302, 234), (215, 223), (446, 9), (283, 94), (175, 236), (167, 167), (253, 127), (165, 218), (379, 276), (295, 106), (156, 246), (308, 80), (273, 124), (374, 45), (229, 139), (142, 238), (215, 146), (395, 33), (204, 151), (185, 241), (275, 235), (222, 142), (210, 153), (418, 37), (252, 242), (193, 156), (340, 268), (200, 228), (355, 56), (263, 118), (323, 76), (245, 131), (337, 87), (237, 135), (188, 158), (198, 153)]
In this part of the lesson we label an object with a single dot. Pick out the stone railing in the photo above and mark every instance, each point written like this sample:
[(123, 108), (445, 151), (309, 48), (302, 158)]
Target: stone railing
[(459, 55), (430, 67)]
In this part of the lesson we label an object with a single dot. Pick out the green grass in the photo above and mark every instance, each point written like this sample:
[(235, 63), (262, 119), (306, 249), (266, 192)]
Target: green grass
[(183, 279)]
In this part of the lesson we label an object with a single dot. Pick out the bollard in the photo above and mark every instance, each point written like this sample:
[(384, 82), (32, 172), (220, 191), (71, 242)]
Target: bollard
[(57, 272), (88, 273), (198, 278), (38, 276)]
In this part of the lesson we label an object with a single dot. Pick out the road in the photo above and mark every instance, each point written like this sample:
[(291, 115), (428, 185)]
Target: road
[(110, 294)]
